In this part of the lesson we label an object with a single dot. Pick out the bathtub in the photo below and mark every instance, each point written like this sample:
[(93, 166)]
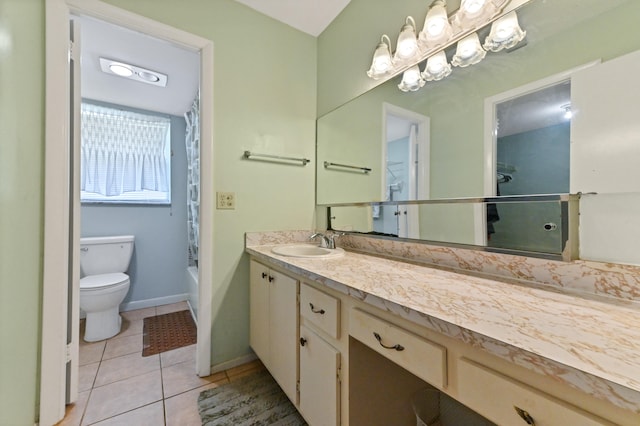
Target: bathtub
[(192, 290)]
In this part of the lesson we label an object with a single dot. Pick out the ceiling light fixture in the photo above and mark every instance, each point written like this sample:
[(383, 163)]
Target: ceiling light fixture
[(120, 69), (442, 31), (133, 72)]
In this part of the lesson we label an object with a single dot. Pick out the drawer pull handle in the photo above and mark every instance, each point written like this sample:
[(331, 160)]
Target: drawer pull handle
[(264, 275), (525, 416), (271, 278), (303, 341), (316, 311), (379, 339)]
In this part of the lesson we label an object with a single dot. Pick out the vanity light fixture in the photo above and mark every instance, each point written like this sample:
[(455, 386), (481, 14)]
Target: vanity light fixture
[(440, 32), (411, 80), (475, 12), (133, 72), (381, 65), (437, 29), (568, 114), (407, 47), (437, 67), (505, 33), (468, 52)]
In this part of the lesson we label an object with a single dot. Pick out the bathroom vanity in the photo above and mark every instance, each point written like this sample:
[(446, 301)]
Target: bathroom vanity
[(350, 339)]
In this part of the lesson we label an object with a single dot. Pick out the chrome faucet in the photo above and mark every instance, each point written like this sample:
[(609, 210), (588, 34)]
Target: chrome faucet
[(327, 241)]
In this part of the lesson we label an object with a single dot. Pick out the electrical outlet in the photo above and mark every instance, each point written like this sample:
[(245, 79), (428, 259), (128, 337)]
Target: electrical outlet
[(226, 200)]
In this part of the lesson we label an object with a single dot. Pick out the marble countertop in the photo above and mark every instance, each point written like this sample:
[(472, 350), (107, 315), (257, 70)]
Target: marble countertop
[(590, 344)]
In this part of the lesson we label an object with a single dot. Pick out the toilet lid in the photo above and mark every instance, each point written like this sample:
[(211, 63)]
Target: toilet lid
[(103, 280)]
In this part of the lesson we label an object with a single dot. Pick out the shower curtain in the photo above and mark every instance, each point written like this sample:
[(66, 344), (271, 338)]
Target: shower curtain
[(192, 140)]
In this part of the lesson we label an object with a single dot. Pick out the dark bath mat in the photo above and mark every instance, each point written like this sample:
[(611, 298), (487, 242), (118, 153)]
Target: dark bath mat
[(169, 331), (254, 400)]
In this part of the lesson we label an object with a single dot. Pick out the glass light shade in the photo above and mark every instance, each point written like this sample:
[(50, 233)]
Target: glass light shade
[(407, 47), (437, 29), (381, 64), (437, 67), (468, 52), (411, 80), (472, 7), (473, 13), (505, 33)]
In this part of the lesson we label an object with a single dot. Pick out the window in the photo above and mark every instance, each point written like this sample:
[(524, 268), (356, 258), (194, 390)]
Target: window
[(126, 156)]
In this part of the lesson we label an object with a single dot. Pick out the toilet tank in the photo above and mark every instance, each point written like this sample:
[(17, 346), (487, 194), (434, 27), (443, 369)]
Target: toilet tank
[(103, 255)]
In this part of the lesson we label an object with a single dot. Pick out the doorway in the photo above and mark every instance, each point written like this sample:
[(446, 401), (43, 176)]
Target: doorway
[(405, 156), (61, 206)]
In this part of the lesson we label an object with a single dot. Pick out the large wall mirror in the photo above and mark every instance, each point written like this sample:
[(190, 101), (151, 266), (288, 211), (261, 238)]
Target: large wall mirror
[(553, 115)]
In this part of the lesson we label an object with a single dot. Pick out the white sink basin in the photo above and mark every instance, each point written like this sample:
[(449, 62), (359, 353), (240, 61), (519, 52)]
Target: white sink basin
[(307, 250)]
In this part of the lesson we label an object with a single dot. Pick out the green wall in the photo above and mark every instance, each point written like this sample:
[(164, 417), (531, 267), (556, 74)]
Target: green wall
[(21, 205), (264, 100)]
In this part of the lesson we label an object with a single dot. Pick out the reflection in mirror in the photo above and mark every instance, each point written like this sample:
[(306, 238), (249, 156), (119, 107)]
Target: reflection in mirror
[(604, 131), (532, 140), (537, 226)]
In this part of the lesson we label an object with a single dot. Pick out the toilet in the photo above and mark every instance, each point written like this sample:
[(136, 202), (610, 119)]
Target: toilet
[(103, 283)]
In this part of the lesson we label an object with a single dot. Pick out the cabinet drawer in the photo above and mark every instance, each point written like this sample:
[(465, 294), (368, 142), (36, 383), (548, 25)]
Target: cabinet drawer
[(425, 359), (320, 309), (499, 398)]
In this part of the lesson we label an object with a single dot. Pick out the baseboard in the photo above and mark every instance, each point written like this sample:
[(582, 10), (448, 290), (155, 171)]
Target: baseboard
[(149, 303), (193, 315), (233, 363)]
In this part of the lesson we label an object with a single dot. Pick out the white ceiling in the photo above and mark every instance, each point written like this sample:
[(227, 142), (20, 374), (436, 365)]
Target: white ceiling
[(100, 39), (309, 16)]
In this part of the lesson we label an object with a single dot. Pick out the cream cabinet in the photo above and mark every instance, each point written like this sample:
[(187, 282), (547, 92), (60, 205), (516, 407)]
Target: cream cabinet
[(343, 361), (320, 361), (507, 401), (273, 324), (319, 382)]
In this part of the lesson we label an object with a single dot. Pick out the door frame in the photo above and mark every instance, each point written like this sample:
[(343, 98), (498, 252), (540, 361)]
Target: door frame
[(410, 229), (491, 139), (57, 195)]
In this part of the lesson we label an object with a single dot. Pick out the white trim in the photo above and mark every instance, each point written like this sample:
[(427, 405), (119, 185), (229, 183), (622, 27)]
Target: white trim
[(156, 301), (56, 217), (233, 363), (206, 250), (56, 197)]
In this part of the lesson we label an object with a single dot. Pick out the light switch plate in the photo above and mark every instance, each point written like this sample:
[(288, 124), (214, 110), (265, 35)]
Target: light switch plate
[(225, 200)]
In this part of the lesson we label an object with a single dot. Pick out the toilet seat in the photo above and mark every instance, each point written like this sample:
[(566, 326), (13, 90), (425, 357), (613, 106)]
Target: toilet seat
[(103, 281)]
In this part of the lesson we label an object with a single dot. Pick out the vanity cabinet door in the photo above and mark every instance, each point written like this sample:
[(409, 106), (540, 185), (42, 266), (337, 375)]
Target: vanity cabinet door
[(283, 332), (259, 310), (273, 324), (319, 382)]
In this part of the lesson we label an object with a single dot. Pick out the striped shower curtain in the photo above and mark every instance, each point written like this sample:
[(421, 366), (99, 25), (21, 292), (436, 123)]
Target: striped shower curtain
[(193, 178)]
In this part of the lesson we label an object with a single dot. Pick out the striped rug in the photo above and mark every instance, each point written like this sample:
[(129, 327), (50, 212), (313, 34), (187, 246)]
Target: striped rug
[(255, 400)]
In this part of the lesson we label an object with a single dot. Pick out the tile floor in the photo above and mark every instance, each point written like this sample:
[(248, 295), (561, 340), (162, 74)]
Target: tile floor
[(117, 386)]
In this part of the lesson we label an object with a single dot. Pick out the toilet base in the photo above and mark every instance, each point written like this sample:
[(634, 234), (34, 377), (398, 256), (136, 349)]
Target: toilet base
[(102, 325)]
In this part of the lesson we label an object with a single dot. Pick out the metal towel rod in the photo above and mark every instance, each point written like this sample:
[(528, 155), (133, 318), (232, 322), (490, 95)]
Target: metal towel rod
[(249, 154), (364, 169)]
